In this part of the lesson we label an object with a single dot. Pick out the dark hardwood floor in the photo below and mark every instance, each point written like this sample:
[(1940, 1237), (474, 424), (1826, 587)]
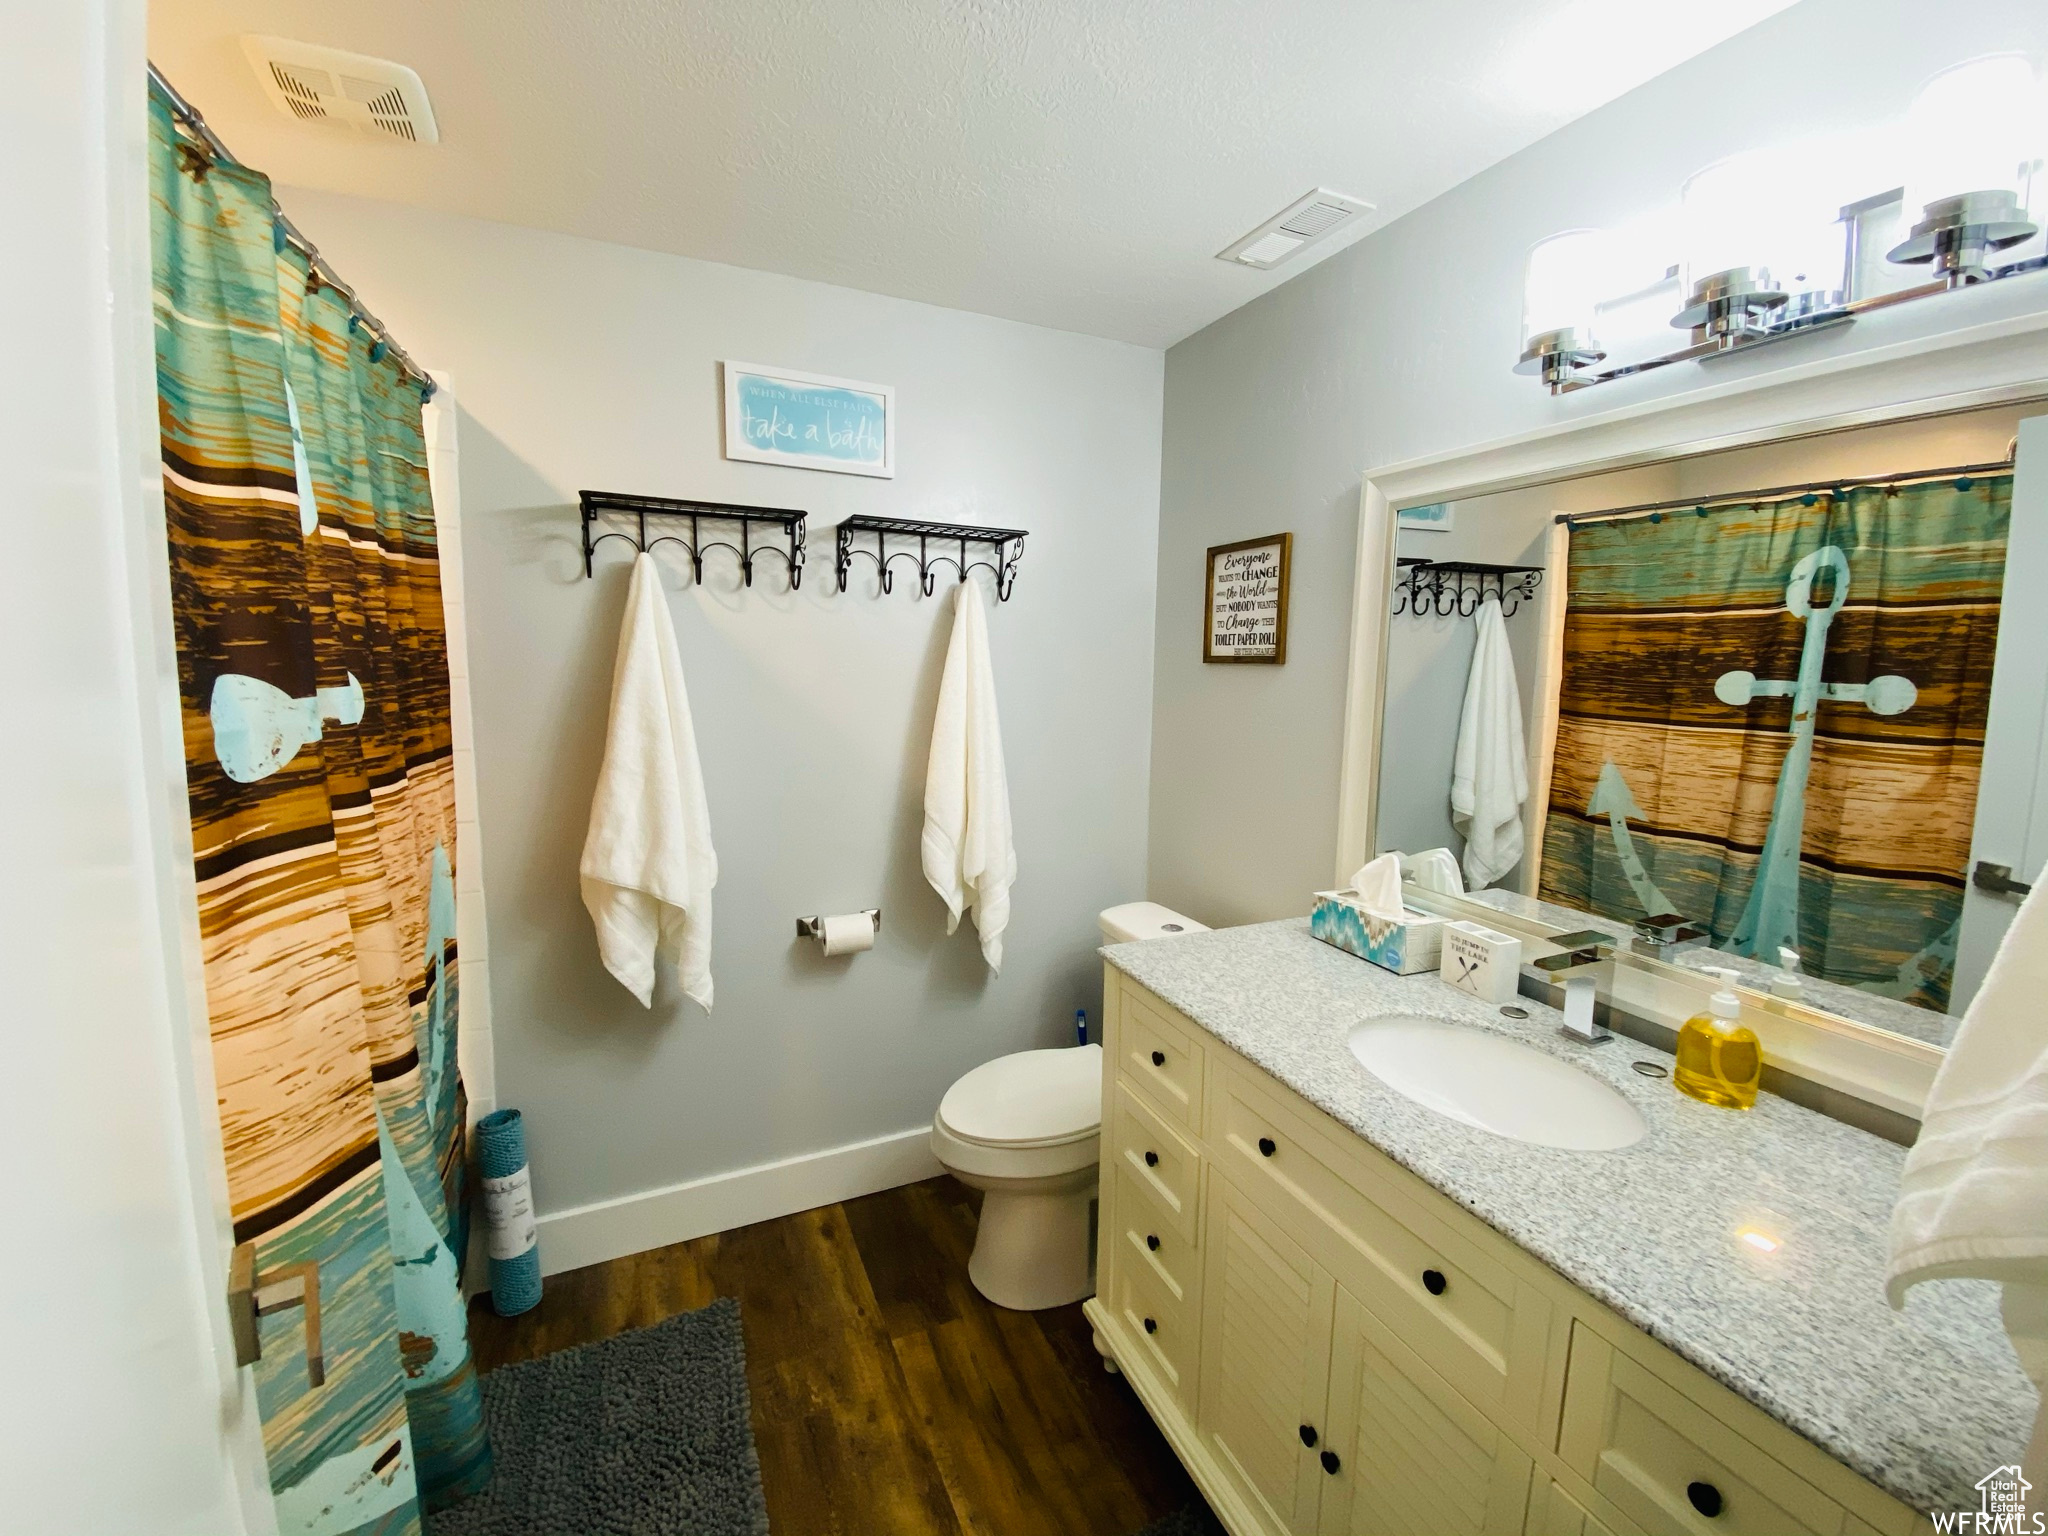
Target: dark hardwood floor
[(888, 1396)]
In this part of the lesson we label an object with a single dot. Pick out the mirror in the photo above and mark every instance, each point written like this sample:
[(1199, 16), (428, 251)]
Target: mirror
[(1779, 709)]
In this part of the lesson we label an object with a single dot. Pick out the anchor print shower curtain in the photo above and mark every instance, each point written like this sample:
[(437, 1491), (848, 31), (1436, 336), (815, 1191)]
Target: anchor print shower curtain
[(312, 669), (1771, 719)]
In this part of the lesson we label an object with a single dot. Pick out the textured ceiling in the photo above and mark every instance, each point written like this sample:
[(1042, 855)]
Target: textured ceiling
[(1065, 163)]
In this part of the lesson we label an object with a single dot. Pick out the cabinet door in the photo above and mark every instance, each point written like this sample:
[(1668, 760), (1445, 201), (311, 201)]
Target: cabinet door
[(1413, 1458), (1265, 1360)]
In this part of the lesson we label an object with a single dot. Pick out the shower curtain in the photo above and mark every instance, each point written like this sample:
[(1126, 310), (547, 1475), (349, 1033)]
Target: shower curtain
[(1771, 719), (313, 671)]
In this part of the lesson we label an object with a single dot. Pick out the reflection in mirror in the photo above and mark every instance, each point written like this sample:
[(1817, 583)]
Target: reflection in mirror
[(1747, 717)]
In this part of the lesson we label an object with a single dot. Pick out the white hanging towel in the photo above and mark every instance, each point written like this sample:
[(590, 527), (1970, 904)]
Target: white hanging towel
[(969, 856), (1973, 1200), (648, 864), (1974, 1197), (1490, 775)]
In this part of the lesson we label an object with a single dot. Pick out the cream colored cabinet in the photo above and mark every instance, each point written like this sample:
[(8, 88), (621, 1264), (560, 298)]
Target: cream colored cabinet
[(1411, 1457), (1335, 1349), (1265, 1361)]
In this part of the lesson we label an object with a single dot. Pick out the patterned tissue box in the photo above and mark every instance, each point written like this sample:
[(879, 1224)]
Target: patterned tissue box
[(1406, 947)]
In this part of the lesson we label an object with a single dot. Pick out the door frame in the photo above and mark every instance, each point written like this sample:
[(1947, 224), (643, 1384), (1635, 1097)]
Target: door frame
[(1997, 362)]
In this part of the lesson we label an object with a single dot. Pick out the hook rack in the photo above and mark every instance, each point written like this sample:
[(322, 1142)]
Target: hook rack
[(640, 508), (1450, 588), (1008, 549)]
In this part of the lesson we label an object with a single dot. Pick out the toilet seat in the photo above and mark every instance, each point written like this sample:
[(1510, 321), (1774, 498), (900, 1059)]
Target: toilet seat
[(1028, 1100)]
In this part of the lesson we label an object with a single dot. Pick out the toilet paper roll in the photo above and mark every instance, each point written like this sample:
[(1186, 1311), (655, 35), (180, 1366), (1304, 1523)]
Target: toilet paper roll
[(848, 933)]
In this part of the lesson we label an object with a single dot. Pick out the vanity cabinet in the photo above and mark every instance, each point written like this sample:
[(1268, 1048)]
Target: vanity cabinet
[(1335, 1349)]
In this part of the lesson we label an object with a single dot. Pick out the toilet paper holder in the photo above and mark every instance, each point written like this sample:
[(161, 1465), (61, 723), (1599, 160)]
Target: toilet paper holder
[(814, 927)]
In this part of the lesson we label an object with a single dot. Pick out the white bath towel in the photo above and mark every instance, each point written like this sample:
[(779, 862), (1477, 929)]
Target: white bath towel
[(648, 864), (1490, 775), (969, 856), (1974, 1197)]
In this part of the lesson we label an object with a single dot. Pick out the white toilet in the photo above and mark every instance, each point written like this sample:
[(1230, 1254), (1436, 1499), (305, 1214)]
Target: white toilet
[(1026, 1130)]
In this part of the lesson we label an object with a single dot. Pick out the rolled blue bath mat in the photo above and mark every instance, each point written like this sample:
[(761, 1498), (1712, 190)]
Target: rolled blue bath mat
[(511, 1236)]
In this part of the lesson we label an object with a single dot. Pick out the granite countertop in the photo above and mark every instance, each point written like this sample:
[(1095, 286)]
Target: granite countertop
[(1922, 1402)]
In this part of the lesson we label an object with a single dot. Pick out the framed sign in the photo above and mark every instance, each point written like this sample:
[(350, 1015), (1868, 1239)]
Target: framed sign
[(1247, 608), (809, 421), (1435, 518)]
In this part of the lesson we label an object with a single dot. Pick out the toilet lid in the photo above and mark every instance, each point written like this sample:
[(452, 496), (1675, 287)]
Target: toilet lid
[(1031, 1097)]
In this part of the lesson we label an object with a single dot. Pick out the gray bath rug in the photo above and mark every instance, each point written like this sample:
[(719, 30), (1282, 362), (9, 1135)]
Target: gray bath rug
[(645, 1434), (1195, 1520)]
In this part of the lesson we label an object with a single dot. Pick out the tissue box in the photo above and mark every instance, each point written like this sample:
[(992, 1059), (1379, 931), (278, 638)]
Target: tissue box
[(1482, 962), (1412, 945)]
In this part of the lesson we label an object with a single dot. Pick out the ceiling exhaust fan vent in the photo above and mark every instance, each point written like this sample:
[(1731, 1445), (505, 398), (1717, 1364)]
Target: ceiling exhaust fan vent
[(374, 97), (1308, 219)]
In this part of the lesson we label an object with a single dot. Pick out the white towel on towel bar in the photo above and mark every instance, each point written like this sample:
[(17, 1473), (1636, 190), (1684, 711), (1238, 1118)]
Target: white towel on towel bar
[(969, 856), (648, 864), (1490, 775)]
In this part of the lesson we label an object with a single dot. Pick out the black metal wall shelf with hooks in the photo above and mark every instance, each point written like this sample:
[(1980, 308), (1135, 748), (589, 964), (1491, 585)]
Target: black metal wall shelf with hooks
[(1008, 550), (1456, 588), (790, 522)]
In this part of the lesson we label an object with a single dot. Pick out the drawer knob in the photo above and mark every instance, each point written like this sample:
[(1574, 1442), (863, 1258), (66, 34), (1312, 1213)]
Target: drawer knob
[(1705, 1497), (1151, 1159), (1267, 1147), (1308, 1434), (1152, 1326), (1152, 1241), (1331, 1463), (1159, 1058), (1433, 1281)]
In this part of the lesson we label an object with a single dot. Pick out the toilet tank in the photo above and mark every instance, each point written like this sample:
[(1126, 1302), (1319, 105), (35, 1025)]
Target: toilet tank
[(1145, 920)]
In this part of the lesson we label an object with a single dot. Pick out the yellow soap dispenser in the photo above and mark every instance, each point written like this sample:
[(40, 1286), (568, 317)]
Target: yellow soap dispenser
[(1719, 1061)]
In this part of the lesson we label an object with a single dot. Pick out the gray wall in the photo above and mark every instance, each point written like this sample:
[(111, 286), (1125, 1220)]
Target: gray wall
[(1401, 347), (579, 364)]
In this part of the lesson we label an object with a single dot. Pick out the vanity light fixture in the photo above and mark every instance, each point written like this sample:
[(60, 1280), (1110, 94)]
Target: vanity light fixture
[(1973, 132), (1770, 240), (1958, 235), (1561, 288)]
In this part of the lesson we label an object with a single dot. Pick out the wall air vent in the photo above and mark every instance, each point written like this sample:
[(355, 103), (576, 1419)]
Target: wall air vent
[(373, 97), (1309, 219)]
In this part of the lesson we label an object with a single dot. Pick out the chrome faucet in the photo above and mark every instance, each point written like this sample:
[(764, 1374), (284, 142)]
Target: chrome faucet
[(1572, 965)]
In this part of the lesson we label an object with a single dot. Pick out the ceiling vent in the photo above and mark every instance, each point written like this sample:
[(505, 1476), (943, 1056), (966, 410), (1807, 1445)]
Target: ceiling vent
[(1315, 217), (325, 85)]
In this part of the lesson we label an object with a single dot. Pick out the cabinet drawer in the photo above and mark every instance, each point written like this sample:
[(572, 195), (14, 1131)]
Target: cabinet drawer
[(1147, 1240), (1164, 1326), (1163, 1058), (1463, 1311), (1667, 1463), (1163, 1167)]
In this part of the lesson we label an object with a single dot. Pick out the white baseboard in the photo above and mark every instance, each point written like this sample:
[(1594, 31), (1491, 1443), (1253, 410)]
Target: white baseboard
[(654, 1218)]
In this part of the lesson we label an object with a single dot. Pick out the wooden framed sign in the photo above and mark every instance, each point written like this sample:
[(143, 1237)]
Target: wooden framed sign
[(1247, 609)]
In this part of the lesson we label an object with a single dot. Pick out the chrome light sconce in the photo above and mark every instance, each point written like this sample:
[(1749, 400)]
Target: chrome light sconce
[(1958, 235), (1727, 306), (1560, 358)]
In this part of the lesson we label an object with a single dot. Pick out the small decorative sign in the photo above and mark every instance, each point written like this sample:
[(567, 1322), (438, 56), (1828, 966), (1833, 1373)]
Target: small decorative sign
[(809, 421), (1435, 518), (1247, 618)]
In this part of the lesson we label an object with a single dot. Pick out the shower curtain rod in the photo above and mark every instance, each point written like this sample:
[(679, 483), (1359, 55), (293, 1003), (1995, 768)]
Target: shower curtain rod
[(188, 115), (1705, 504)]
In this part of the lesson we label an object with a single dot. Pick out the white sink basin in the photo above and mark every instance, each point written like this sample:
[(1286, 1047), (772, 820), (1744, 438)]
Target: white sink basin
[(1497, 1084)]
